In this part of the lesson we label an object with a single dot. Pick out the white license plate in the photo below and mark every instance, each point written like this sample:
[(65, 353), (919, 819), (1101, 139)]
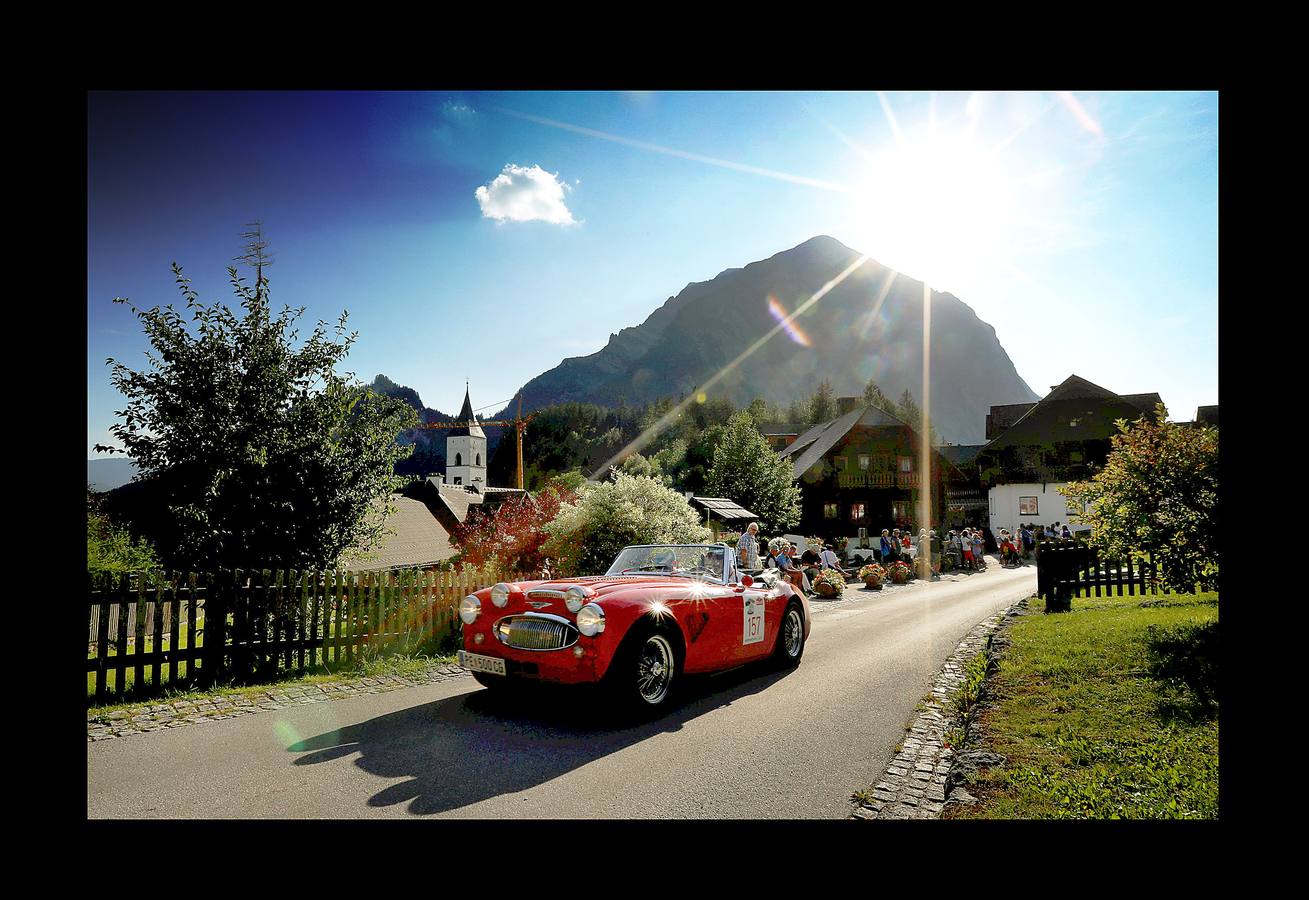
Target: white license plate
[(475, 662)]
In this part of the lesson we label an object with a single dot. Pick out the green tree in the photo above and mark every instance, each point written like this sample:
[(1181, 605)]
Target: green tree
[(263, 453), (586, 535), (1157, 497), (873, 396), (822, 405), (909, 412), (746, 469), (636, 464), (110, 548)]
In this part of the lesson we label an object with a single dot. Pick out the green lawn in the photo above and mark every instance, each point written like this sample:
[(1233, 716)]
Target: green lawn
[(1093, 724)]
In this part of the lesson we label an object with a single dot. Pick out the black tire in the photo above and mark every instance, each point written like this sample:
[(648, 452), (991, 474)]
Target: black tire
[(647, 670), (790, 637)]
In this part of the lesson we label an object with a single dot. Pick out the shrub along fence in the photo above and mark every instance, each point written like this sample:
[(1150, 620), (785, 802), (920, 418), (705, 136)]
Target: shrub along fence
[(1063, 569), (193, 631)]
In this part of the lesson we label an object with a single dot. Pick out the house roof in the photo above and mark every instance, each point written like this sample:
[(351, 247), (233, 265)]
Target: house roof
[(1143, 402), (1001, 417), (811, 446), (1075, 403), (412, 537), (959, 454), (457, 498), (723, 509), (783, 428), (1207, 415)]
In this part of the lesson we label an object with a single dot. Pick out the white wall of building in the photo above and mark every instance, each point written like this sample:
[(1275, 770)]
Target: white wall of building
[(471, 452), (1003, 500)]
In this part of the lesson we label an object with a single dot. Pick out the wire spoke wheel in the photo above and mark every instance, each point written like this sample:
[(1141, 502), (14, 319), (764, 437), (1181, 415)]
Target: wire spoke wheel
[(793, 633), (654, 669)]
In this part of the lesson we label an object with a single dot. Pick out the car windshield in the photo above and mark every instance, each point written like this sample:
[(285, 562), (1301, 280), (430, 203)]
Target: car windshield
[(705, 560)]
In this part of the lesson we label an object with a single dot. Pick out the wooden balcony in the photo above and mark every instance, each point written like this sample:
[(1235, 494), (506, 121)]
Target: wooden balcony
[(865, 480)]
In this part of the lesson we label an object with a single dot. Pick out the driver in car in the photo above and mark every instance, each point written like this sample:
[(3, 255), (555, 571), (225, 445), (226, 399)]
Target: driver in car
[(663, 561)]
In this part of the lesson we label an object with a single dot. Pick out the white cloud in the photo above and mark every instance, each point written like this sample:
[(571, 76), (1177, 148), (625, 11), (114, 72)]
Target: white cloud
[(453, 110), (525, 194)]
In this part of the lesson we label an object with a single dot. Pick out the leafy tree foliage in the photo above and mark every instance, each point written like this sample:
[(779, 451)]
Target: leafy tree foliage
[(1157, 495), (587, 534), (873, 396), (110, 548), (636, 464), (747, 470), (263, 454), (822, 405)]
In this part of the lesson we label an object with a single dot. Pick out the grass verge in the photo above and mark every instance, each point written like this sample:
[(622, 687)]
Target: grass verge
[(1107, 711)]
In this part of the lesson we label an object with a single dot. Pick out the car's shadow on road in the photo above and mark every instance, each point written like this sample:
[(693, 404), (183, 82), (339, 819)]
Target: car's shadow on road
[(482, 744)]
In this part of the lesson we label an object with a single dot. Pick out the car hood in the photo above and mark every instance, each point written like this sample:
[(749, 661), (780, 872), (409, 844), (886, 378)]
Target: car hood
[(603, 586)]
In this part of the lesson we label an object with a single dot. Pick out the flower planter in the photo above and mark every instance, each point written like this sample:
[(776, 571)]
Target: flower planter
[(823, 589), (873, 584)]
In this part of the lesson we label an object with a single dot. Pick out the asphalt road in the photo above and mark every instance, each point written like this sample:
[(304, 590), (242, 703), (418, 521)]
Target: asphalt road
[(747, 744)]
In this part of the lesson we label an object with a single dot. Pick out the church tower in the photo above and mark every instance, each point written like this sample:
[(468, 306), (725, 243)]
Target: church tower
[(465, 450)]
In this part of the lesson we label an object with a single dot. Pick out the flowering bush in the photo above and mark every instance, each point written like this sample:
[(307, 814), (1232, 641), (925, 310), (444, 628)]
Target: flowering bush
[(900, 573), (829, 583), (587, 534), (513, 534), (872, 572)]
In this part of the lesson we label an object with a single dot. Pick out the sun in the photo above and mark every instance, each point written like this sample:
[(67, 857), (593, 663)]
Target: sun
[(937, 206)]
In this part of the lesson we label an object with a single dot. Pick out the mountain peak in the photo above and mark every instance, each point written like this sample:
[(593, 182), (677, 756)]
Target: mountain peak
[(686, 340)]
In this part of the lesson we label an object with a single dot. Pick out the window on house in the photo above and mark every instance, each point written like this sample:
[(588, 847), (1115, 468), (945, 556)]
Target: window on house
[(906, 464), (829, 511), (863, 462), (900, 510), (1027, 506), (459, 459), (839, 462), (458, 480), (479, 460), (856, 512)]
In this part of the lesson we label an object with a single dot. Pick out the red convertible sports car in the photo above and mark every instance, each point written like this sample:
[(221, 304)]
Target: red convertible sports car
[(660, 612)]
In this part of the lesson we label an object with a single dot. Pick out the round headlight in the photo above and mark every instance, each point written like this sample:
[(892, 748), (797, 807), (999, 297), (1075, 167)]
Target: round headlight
[(500, 594), (575, 598), (590, 620), (469, 609)]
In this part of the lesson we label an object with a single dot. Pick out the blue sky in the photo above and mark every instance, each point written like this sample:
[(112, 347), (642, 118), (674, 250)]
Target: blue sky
[(1083, 227)]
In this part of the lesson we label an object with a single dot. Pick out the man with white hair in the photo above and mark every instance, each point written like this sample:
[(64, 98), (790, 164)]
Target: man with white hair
[(747, 548)]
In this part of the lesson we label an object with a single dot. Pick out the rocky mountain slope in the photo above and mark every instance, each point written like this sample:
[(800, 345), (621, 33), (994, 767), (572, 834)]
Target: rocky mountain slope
[(845, 337)]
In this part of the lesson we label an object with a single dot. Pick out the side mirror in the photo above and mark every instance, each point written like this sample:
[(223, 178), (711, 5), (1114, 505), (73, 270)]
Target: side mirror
[(747, 581)]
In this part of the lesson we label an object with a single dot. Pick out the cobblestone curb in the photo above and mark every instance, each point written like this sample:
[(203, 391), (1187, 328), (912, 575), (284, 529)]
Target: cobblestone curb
[(174, 714), (914, 784)]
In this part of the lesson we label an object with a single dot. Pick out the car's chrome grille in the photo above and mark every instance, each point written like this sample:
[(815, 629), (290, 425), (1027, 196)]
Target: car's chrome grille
[(535, 633)]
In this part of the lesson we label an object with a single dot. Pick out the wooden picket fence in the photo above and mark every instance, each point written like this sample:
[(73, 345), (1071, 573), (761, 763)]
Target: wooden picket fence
[(190, 630), (1064, 569)]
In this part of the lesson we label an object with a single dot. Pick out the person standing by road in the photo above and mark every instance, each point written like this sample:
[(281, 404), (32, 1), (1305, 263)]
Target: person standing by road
[(888, 549), (747, 548)]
